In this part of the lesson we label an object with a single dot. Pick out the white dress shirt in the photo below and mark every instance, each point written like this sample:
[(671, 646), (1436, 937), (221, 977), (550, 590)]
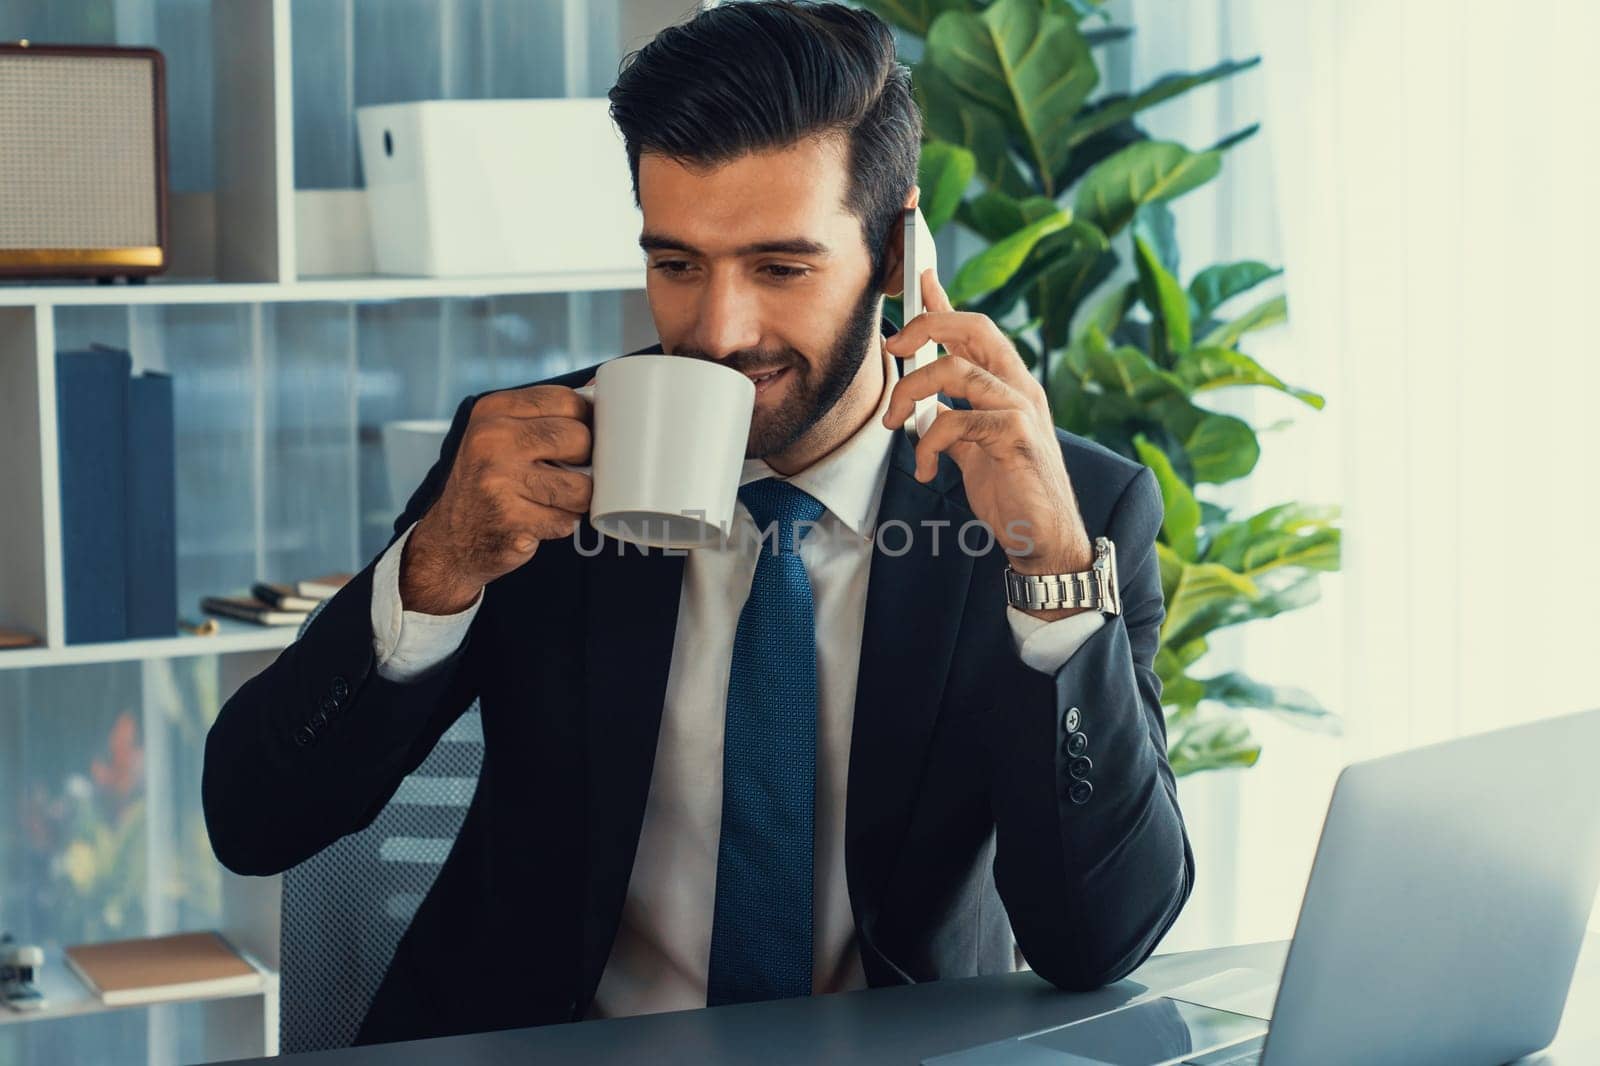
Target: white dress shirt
[(661, 954)]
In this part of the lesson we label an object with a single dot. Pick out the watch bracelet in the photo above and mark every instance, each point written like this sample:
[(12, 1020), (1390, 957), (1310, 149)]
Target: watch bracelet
[(1081, 586)]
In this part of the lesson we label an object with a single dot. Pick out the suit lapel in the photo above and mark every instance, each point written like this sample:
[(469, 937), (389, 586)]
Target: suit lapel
[(632, 617), (915, 602)]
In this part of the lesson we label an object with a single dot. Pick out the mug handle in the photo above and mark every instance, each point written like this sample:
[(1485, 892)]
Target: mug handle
[(587, 392)]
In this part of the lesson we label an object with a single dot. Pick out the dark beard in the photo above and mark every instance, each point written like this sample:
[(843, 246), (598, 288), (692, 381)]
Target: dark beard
[(815, 390)]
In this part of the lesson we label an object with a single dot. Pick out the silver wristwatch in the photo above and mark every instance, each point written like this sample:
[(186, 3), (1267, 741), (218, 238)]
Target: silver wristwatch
[(1095, 587)]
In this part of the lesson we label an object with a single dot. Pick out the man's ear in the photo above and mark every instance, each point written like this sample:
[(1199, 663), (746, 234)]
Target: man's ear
[(893, 280), (894, 247)]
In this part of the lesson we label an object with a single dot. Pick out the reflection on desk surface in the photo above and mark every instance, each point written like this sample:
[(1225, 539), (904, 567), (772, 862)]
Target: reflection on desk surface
[(1153, 1032)]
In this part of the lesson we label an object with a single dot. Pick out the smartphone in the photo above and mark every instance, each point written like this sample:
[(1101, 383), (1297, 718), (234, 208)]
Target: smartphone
[(920, 254)]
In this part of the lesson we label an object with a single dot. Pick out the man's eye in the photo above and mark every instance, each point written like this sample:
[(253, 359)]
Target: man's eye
[(677, 268)]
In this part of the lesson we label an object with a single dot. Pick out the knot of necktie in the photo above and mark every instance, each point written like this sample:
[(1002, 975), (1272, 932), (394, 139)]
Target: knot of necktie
[(770, 501)]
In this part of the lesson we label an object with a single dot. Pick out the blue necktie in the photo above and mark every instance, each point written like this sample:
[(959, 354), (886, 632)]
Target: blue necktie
[(761, 929)]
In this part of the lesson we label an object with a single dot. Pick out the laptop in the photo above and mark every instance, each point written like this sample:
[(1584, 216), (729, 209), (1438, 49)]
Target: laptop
[(1441, 923)]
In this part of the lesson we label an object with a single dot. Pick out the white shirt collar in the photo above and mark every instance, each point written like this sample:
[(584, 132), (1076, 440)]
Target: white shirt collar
[(848, 481)]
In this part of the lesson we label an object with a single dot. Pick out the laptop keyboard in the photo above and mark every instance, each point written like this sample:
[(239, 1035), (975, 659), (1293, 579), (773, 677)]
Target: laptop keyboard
[(1245, 1054)]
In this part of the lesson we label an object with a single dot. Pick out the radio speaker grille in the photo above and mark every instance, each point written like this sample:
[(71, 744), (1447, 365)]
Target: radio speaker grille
[(78, 153)]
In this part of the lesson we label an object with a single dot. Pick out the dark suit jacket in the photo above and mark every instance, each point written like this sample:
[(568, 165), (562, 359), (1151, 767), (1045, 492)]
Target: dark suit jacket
[(958, 825)]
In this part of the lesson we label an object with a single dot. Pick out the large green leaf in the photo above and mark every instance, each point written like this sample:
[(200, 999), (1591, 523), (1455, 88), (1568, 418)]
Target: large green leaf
[(1220, 447), (1056, 295), (1125, 107), (995, 265), (1318, 550), (1182, 513), (1156, 223), (1214, 368), (1059, 261), (1202, 588), (1171, 571), (995, 216), (1270, 313), (914, 15), (1216, 285), (1221, 612), (1295, 705), (1182, 690), (1124, 369), (1025, 62), (1215, 743), (951, 117), (943, 173), (1141, 173), (1231, 542), (1167, 302)]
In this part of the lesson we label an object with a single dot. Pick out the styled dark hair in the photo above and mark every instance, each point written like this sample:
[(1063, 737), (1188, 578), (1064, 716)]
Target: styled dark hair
[(764, 74)]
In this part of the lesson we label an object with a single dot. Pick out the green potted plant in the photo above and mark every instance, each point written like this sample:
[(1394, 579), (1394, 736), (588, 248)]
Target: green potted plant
[(1063, 192)]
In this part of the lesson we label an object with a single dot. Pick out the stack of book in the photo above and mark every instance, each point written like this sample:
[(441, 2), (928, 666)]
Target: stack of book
[(273, 604), (118, 497)]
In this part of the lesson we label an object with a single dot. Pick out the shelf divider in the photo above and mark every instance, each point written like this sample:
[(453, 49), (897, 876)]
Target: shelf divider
[(30, 520), (254, 140)]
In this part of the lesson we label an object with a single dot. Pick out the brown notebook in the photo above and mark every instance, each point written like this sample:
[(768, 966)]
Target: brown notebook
[(320, 588), (17, 638), (150, 969)]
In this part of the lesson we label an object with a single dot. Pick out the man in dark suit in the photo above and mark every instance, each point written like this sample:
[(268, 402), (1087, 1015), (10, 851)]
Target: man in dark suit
[(742, 772)]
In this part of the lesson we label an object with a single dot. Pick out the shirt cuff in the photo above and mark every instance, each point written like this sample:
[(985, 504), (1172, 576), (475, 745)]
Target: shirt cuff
[(1046, 646), (409, 643)]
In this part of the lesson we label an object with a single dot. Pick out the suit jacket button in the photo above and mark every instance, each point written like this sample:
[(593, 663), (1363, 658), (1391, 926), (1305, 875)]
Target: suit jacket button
[(328, 705), (1072, 719), (1080, 792), (304, 735), (1079, 768), (339, 689), (1075, 744)]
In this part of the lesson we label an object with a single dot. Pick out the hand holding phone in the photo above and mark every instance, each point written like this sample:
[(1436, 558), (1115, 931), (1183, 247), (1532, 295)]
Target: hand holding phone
[(920, 254)]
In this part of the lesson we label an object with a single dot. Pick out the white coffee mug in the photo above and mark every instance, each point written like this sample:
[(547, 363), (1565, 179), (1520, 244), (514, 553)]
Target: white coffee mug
[(669, 441)]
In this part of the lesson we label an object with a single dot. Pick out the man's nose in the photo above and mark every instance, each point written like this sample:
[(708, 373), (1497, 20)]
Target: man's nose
[(728, 318)]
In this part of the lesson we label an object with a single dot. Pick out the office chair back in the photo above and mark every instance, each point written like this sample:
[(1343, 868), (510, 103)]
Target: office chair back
[(346, 907)]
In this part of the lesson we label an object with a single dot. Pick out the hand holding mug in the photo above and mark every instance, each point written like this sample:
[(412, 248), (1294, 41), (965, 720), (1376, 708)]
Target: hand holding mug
[(667, 437), (504, 496)]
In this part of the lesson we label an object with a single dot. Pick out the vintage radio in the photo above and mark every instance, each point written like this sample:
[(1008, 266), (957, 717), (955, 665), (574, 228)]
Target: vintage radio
[(83, 162)]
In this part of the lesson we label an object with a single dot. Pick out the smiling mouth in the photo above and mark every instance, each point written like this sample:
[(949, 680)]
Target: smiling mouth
[(765, 380)]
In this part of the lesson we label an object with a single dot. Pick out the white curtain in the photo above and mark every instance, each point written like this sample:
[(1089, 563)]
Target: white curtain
[(1426, 175)]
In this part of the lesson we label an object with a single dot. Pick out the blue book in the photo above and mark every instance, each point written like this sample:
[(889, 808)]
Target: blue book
[(152, 541), (92, 427)]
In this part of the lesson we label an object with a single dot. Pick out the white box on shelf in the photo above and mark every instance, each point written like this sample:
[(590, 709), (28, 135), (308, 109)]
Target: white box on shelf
[(331, 234), (474, 187)]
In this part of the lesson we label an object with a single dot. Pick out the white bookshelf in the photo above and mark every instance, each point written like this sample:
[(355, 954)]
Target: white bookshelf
[(372, 289), (237, 248), (231, 638)]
